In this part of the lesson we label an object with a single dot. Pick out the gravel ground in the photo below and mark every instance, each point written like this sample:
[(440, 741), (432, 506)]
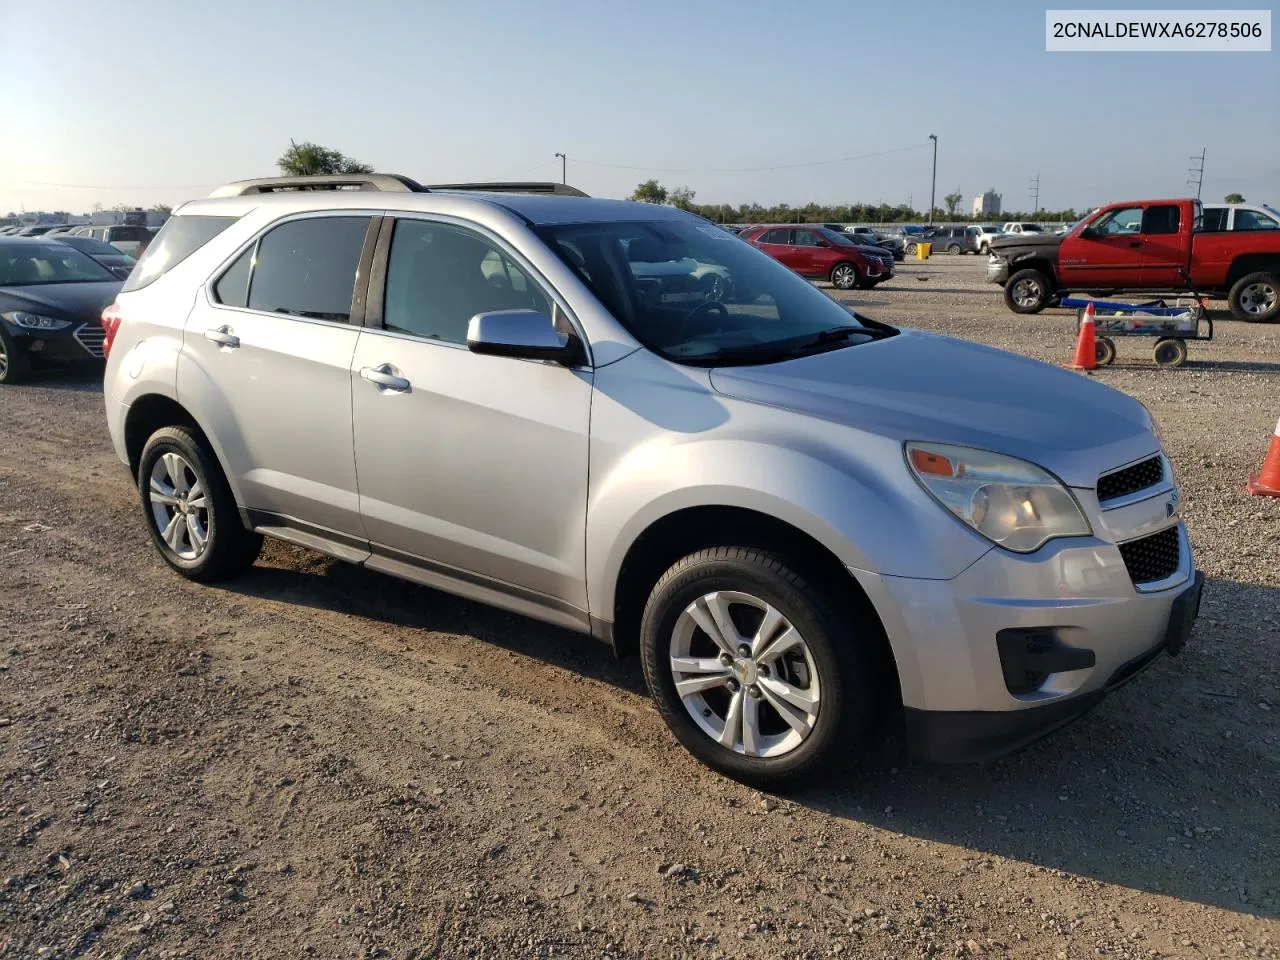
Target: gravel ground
[(318, 761)]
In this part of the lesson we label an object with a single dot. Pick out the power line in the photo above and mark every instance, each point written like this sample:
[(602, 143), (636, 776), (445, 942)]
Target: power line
[(780, 166), (1196, 174)]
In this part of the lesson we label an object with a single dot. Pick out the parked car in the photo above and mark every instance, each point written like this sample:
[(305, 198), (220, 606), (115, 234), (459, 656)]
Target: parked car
[(797, 515), (821, 254), (121, 264), (1016, 228), (894, 244), (51, 301), (124, 237), (981, 235), (1239, 216), (38, 230), (951, 240), (1146, 245)]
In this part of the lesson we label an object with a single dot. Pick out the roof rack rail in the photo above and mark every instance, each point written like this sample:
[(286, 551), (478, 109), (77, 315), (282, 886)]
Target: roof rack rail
[(559, 189), (381, 182)]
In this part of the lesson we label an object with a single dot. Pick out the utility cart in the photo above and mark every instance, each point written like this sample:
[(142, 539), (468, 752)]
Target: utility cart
[(1171, 327)]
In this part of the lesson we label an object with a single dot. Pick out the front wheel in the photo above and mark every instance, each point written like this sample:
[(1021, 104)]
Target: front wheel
[(1104, 351), (759, 673), (189, 509), (1028, 291), (911, 249), (15, 364), (1255, 298), (844, 276)]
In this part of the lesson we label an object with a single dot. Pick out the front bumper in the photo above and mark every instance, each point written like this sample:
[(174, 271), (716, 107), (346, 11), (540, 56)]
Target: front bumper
[(78, 343), (997, 269), (960, 702)]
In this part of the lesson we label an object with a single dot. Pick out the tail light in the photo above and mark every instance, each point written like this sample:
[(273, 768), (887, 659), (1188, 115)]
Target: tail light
[(111, 319)]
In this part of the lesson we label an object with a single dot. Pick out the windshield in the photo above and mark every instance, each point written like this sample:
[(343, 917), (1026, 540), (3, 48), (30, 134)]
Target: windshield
[(845, 239), (698, 295), (30, 264)]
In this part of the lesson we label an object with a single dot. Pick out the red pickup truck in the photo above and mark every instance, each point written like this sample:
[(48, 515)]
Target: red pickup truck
[(1153, 246)]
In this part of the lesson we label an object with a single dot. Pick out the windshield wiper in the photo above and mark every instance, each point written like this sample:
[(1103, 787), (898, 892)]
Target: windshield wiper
[(790, 349)]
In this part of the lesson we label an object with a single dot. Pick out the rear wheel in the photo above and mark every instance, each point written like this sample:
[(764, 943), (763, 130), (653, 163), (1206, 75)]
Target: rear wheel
[(1170, 352), (15, 364), (1028, 291), (954, 248), (844, 276), (758, 673), (1255, 298), (189, 509), (1104, 351)]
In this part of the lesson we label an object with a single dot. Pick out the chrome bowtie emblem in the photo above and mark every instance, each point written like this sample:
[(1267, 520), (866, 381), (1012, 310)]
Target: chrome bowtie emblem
[(1175, 501)]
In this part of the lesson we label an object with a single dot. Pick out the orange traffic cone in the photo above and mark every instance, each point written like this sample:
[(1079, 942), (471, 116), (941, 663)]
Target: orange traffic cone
[(1086, 345), (1266, 483)]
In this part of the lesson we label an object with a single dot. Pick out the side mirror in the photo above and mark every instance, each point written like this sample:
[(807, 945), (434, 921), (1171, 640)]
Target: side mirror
[(526, 334), (824, 243)]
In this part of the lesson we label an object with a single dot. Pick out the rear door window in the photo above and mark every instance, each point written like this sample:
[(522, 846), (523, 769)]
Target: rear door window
[(779, 235), (1161, 219), (307, 268), (178, 239)]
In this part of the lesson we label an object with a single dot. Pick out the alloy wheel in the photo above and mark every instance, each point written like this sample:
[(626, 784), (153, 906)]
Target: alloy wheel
[(1258, 298), (745, 674), (844, 277), (1026, 293), (179, 506), (4, 360)]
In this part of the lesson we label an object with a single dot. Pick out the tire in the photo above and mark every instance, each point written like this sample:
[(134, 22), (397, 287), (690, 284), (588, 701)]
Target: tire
[(1104, 351), (954, 249), (1255, 298), (1170, 352), (750, 585), (15, 363), (984, 250), (227, 547), (845, 276), (1028, 291), (911, 250)]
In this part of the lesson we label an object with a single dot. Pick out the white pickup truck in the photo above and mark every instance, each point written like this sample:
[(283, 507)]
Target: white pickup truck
[(1014, 227)]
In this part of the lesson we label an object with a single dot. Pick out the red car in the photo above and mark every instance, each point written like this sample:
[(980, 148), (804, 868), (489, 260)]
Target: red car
[(822, 254)]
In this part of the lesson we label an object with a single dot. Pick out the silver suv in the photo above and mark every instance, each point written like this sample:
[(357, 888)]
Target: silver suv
[(619, 418)]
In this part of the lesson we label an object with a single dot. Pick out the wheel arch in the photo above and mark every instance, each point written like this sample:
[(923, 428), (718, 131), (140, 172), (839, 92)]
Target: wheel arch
[(1249, 263), (151, 411)]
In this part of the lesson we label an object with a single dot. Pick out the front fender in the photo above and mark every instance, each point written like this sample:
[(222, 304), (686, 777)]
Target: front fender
[(866, 510)]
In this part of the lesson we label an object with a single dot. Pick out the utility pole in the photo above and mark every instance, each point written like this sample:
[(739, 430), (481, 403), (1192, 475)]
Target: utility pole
[(1035, 194), (1196, 174), (563, 161), (933, 189)]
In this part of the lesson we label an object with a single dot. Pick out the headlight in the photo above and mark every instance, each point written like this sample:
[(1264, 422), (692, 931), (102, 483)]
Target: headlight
[(34, 321), (1012, 503)]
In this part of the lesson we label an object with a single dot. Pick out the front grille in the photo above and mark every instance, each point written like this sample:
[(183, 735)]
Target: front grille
[(91, 337), (1153, 558), (1130, 479)]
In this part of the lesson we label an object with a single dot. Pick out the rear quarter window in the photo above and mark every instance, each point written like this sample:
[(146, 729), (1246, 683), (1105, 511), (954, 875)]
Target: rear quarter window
[(178, 239)]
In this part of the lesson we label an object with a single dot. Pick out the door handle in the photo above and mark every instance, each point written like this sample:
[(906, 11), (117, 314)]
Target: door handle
[(384, 378), (223, 337)]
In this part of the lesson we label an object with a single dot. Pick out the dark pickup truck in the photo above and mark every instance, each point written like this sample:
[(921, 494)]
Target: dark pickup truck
[(1151, 246)]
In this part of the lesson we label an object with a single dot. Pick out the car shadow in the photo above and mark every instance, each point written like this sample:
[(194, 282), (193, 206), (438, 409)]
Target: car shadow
[(71, 378), (1162, 788)]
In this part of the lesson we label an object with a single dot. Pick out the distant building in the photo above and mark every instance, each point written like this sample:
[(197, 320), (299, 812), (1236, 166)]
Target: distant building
[(987, 205)]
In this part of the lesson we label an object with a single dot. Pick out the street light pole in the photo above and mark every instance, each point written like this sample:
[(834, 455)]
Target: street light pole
[(933, 187), (563, 161)]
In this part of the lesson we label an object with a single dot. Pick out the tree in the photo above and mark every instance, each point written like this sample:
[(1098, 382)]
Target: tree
[(162, 208), (952, 200), (309, 159), (651, 191), (681, 197), (1233, 198)]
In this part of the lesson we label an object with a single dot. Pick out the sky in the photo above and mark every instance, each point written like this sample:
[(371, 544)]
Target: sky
[(142, 102)]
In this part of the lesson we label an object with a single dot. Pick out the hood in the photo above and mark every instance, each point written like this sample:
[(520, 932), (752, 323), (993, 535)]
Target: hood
[(1023, 240), (72, 301), (921, 386)]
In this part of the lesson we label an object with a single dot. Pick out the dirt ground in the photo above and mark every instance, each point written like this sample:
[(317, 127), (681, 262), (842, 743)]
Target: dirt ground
[(319, 761)]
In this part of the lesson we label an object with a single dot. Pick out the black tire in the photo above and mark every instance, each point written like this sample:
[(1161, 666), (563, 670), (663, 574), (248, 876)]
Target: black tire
[(1104, 351), (1255, 298), (229, 548), (911, 249), (845, 275), (1170, 352), (983, 249), (1028, 291), (954, 249), (15, 363), (846, 670)]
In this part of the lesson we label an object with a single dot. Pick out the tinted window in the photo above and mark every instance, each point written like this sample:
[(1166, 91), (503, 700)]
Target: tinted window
[(1254, 220), (440, 276), (232, 287), (307, 268), (1214, 219), (23, 264), (130, 233), (1161, 219), (806, 238), (178, 239), (776, 236)]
